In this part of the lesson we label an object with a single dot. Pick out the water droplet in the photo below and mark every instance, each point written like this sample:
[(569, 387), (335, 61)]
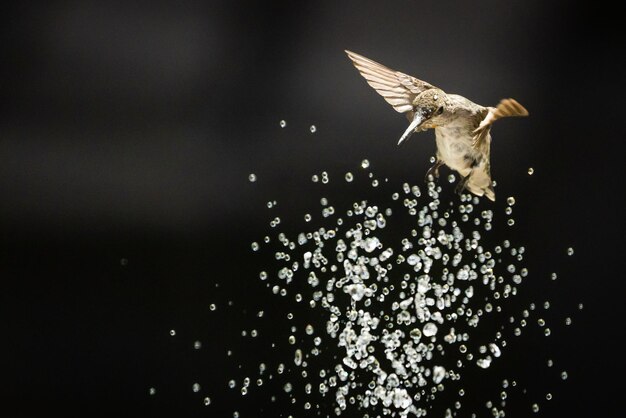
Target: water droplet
[(298, 357), (196, 387), (315, 178), (365, 164), (439, 373), (197, 345), (535, 407), (254, 246), (313, 129), (510, 201), (349, 177), (564, 375), (530, 171), (451, 178), (207, 401), (252, 177), (152, 391), (430, 329), (282, 123), (484, 363), (172, 332), (570, 251)]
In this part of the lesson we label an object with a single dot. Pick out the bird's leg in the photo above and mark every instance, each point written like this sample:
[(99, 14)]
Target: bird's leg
[(461, 184), (434, 170)]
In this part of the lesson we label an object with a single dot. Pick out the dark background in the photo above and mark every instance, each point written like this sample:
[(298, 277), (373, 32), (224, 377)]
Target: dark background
[(128, 132)]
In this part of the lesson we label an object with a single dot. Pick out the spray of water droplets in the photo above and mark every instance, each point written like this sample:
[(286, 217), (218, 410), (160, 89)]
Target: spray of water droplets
[(402, 284), (403, 287)]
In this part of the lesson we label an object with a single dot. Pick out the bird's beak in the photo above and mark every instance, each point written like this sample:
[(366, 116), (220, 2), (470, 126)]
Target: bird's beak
[(418, 118)]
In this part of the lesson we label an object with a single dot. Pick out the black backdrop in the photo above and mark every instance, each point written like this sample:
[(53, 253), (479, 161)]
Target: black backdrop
[(128, 132)]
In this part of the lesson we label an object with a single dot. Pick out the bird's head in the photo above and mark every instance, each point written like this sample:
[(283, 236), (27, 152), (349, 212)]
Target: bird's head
[(429, 111), (430, 105)]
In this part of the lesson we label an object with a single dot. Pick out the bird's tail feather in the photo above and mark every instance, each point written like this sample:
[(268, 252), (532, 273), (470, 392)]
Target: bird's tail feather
[(509, 108), (506, 108), (490, 193)]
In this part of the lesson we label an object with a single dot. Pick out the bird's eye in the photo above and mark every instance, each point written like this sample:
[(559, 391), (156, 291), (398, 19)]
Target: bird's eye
[(439, 111)]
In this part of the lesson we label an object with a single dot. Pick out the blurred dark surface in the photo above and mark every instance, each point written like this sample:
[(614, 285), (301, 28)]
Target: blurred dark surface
[(127, 133)]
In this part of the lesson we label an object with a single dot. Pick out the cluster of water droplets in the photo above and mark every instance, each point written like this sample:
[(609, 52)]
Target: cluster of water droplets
[(404, 283), (401, 303)]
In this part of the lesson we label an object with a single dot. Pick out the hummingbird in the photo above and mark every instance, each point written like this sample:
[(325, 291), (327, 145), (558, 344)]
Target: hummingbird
[(462, 127)]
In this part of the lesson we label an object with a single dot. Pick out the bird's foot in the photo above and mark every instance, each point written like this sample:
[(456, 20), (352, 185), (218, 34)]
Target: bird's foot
[(461, 184), (433, 171)]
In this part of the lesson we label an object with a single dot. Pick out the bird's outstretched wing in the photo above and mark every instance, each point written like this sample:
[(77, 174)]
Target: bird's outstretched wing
[(398, 89), (506, 108)]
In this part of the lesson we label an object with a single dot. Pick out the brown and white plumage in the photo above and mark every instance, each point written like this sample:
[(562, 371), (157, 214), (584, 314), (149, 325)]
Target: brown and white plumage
[(398, 89), (506, 108), (462, 128)]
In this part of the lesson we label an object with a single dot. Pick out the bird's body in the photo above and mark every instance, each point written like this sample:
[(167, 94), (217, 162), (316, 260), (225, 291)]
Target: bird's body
[(455, 146), (462, 128)]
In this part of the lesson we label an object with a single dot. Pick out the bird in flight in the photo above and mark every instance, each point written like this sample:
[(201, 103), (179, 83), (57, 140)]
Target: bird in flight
[(462, 128)]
